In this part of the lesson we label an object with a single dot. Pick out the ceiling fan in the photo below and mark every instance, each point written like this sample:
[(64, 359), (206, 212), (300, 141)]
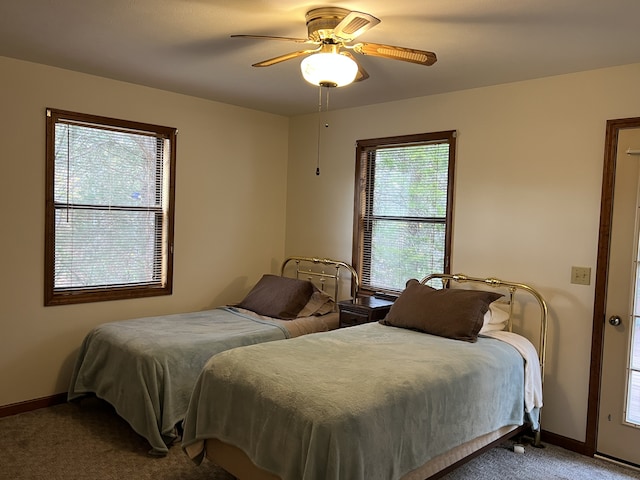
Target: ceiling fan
[(332, 30)]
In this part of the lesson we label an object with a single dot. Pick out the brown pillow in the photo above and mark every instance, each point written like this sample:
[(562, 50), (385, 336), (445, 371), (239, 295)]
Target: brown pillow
[(451, 313), (278, 297)]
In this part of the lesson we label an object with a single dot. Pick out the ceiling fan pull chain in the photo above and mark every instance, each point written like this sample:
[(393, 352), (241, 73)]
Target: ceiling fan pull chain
[(326, 125), (327, 109), (319, 129)]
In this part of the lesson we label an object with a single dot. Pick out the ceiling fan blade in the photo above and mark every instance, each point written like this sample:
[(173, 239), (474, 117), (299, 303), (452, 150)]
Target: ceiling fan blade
[(282, 58), (268, 37), (354, 24), (421, 57), (362, 73)]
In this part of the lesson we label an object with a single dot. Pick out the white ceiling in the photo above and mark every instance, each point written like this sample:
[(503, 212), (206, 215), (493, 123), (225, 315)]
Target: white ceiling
[(185, 45)]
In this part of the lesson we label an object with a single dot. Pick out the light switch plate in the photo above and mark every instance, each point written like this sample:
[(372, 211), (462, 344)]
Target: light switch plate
[(581, 275)]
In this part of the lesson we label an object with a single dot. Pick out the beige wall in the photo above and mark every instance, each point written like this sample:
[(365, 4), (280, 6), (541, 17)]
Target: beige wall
[(230, 213), (528, 180)]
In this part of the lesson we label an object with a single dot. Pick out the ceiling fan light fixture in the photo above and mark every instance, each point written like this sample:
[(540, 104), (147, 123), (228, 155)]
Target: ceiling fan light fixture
[(329, 69)]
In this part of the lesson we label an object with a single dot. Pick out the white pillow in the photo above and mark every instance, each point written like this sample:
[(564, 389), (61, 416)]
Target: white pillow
[(496, 317)]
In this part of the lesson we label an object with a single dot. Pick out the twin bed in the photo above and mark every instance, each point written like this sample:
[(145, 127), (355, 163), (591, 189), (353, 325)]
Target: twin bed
[(146, 368), (441, 378)]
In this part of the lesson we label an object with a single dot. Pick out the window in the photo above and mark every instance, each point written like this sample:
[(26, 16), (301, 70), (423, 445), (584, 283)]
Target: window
[(109, 208), (403, 209)]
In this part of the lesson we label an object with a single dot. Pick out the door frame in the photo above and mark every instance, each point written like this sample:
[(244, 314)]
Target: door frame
[(602, 267)]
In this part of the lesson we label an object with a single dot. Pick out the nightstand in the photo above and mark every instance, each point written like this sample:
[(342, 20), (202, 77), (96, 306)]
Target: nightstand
[(363, 310)]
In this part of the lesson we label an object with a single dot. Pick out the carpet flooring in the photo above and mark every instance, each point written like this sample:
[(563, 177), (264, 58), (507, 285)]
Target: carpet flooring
[(89, 441)]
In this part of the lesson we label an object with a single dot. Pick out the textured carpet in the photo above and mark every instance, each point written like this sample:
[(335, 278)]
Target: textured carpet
[(89, 441), (549, 463)]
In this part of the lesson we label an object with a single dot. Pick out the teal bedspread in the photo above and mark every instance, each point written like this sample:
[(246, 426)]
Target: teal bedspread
[(146, 368), (361, 403)]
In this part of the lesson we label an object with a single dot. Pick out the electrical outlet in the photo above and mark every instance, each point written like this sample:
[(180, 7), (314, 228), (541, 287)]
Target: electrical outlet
[(581, 275)]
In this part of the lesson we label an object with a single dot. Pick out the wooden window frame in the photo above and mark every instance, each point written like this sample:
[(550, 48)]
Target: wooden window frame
[(163, 242), (360, 194)]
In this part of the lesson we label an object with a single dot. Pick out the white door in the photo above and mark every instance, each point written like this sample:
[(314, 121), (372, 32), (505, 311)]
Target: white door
[(619, 411)]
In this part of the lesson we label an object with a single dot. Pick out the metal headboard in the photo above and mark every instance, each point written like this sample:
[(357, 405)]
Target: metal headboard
[(304, 268), (511, 287)]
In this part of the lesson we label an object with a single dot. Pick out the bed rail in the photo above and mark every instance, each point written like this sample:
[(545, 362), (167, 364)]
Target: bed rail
[(330, 272), (512, 288)]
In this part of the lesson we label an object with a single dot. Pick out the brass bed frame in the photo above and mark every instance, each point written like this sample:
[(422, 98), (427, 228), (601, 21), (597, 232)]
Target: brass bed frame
[(303, 269), (511, 287), (236, 462)]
